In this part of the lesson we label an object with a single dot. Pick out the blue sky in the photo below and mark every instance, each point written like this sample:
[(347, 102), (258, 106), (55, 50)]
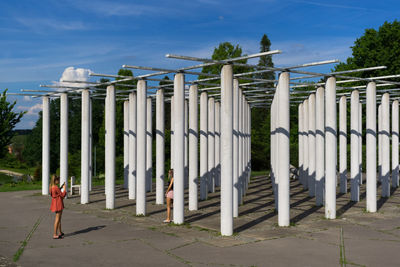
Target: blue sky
[(39, 39)]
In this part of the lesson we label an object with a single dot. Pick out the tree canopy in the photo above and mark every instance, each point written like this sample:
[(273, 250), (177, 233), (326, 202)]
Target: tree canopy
[(375, 48), (8, 120)]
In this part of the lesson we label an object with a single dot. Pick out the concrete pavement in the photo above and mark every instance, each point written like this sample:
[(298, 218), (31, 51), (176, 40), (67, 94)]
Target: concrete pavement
[(99, 237)]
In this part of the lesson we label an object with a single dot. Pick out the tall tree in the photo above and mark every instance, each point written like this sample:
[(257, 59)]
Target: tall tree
[(224, 51), (266, 61), (375, 48), (8, 120), (260, 149)]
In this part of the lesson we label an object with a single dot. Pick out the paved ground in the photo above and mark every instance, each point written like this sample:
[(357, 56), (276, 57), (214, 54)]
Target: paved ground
[(99, 237)]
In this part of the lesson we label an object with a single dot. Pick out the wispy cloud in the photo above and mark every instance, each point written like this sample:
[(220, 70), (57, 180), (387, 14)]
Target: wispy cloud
[(31, 110), (331, 5), (43, 24), (115, 8)]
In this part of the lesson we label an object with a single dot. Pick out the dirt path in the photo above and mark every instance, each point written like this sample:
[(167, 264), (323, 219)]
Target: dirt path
[(11, 173)]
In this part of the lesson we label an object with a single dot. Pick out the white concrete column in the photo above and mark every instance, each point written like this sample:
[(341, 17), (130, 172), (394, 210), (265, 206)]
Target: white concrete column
[(149, 145), (172, 148), (240, 135), (106, 119), (45, 145), (343, 144), (64, 139), (311, 145), (126, 143), (226, 150), (246, 147), (385, 146), (395, 143), (193, 147), (141, 148), (110, 148), (217, 174), (320, 146), (300, 140), (330, 148), (186, 160), (90, 145), (360, 140), (247, 144), (274, 146), (249, 150), (380, 142), (85, 140), (371, 147), (211, 144), (354, 151), (306, 158), (283, 135), (160, 146), (236, 148), (132, 146), (203, 145), (179, 153)]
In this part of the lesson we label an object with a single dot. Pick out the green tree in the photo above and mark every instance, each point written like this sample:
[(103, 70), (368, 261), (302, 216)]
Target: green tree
[(266, 61), (224, 51), (260, 116), (375, 48), (8, 120)]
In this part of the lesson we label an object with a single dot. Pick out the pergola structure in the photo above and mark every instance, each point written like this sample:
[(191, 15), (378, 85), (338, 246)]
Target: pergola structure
[(224, 135)]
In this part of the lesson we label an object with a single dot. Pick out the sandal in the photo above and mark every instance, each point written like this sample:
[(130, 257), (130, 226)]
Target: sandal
[(62, 234), (58, 237), (167, 221)]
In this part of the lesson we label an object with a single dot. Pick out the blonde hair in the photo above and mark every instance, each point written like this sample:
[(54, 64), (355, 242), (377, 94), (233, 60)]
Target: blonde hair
[(53, 180)]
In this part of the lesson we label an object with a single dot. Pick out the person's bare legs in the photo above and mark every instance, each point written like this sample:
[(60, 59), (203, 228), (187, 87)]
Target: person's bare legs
[(56, 222), (59, 223), (168, 209)]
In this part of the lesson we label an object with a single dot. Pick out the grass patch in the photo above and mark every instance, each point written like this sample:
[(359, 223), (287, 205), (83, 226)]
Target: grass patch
[(259, 173), (7, 184), (185, 224), (101, 181), (342, 259), (20, 186), (19, 252)]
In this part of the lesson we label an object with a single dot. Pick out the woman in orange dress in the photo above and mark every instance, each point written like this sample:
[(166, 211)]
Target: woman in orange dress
[(57, 204)]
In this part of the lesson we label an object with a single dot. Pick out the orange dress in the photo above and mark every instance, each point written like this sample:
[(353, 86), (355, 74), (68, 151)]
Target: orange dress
[(57, 203)]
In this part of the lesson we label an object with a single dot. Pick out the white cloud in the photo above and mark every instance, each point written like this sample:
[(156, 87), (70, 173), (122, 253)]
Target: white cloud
[(74, 74), (33, 110)]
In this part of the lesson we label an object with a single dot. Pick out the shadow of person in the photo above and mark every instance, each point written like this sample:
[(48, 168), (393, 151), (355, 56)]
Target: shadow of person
[(87, 230)]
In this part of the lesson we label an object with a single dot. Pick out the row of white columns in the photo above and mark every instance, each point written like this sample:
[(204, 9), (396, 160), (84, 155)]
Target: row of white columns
[(86, 144), (308, 150), (224, 146), (46, 142)]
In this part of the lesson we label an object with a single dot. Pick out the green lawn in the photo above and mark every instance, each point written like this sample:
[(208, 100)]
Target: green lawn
[(259, 173), (7, 184)]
